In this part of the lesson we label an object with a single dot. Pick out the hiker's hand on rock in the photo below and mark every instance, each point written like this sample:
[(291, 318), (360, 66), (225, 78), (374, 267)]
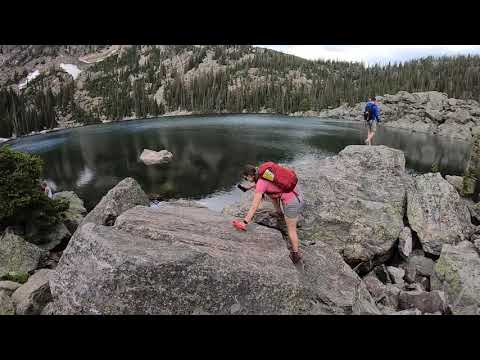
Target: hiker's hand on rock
[(240, 225)]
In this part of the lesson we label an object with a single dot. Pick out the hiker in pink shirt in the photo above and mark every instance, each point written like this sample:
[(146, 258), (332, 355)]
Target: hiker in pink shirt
[(289, 204)]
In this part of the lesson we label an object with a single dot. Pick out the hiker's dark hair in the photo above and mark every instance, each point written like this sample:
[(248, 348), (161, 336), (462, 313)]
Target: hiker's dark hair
[(374, 98), (249, 170)]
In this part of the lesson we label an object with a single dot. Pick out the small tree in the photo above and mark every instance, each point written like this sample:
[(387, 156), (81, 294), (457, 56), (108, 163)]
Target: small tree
[(22, 201)]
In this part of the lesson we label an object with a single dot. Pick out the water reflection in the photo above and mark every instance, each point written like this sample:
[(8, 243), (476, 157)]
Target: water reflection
[(209, 152)]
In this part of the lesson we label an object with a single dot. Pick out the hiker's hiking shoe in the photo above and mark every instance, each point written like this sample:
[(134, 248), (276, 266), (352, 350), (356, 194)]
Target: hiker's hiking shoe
[(296, 257)]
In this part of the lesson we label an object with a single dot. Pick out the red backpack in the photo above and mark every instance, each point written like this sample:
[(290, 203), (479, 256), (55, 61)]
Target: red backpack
[(280, 176)]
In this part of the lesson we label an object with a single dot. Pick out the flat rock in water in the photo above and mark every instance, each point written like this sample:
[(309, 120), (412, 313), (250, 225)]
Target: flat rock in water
[(457, 272), (181, 260), (150, 157), (125, 195), (437, 213)]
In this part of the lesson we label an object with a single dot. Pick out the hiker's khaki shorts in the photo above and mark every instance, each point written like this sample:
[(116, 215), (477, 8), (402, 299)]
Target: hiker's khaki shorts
[(294, 208), (372, 125)]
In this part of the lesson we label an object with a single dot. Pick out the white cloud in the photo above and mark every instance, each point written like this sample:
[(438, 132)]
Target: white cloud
[(370, 54)]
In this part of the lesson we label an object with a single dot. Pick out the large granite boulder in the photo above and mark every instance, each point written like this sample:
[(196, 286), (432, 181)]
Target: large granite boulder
[(18, 255), (457, 273), (437, 213), (125, 195), (31, 298), (76, 211), (355, 202), (181, 260)]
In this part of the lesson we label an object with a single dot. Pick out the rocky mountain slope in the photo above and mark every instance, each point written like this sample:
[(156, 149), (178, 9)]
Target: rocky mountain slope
[(45, 86)]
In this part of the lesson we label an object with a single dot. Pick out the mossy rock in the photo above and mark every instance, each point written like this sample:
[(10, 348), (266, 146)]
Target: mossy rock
[(15, 276), (468, 186)]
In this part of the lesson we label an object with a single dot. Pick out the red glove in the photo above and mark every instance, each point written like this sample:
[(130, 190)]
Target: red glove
[(240, 225)]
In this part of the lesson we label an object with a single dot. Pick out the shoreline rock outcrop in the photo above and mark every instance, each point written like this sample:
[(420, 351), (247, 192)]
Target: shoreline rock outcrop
[(430, 112)]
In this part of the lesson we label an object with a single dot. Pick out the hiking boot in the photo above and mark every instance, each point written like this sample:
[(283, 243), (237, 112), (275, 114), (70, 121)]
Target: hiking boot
[(295, 256)]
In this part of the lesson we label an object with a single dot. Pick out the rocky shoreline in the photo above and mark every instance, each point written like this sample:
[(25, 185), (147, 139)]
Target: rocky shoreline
[(428, 112), (376, 240)]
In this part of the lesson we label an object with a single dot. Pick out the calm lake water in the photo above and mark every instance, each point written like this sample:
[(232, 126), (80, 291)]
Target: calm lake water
[(210, 151)]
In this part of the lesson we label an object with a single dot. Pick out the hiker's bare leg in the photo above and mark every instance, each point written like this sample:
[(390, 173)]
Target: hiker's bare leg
[(370, 136), (367, 141), (292, 232)]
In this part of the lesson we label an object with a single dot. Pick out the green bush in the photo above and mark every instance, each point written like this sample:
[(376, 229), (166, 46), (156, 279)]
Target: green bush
[(22, 201)]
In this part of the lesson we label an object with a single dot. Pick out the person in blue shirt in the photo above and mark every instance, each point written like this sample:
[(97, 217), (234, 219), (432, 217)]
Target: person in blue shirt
[(373, 118)]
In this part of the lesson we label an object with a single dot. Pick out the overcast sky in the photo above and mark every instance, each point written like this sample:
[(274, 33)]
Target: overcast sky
[(371, 54)]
